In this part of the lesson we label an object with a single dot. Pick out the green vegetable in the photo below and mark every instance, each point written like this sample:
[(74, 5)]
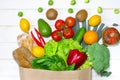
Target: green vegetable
[(49, 63), (86, 1), (50, 2), (100, 57), (61, 48), (56, 54), (99, 10), (87, 63), (70, 10), (20, 13), (73, 2), (79, 35), (44, 28), (51, 48), (40, 9), (116, 11)]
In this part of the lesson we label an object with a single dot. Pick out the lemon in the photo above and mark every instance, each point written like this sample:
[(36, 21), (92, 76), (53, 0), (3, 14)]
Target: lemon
[(24, 25), (38, 51), (94, 20)]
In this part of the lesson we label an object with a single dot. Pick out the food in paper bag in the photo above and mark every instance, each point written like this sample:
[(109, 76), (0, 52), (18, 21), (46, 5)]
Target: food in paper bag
[(65, 53), (25, 40), (23, 57), (110, 36)]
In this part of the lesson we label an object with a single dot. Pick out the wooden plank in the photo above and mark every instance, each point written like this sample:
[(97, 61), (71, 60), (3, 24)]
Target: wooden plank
[(9, 33), (10, 17), (8, 68), (17, 4), (6, 50)]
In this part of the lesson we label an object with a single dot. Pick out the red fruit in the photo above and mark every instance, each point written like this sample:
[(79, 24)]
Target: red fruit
[(70, 21), (110, 36), (68, 33), (56, 35), (59, 24), (76, 57)]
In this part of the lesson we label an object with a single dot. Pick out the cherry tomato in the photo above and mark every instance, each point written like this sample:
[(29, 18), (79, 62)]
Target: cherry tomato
[(56, 35), (68, 32), (60, 24), (70, 21)]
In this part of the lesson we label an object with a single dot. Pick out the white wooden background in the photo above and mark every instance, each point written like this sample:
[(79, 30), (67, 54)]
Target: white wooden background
[(9, 29)]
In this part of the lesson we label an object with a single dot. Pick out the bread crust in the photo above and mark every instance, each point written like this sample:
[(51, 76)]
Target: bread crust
[(23, 57)]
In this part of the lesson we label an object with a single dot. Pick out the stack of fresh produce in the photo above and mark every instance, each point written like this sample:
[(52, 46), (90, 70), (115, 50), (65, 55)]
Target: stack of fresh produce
[(71, 47)]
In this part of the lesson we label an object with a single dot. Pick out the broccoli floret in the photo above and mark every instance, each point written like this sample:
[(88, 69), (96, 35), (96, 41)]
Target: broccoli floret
[(100, 57)]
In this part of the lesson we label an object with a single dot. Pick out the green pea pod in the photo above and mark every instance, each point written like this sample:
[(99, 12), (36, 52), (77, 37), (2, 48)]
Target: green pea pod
[(79, 34)]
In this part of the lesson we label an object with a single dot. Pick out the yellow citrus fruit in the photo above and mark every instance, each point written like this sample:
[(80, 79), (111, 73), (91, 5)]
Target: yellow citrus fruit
[(94, 20), (90, 37), (24, 25), (38, 51)]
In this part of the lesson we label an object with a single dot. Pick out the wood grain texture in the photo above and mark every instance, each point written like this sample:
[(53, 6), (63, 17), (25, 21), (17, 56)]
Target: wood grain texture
[(9, 29)]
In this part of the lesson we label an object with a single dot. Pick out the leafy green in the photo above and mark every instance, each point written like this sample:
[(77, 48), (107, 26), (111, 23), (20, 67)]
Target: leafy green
[(51, 63), (87, 63), (100, 57), (50, 48), (56, 54), (61, 48)]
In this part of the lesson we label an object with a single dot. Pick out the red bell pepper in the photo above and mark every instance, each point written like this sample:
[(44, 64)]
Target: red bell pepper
[(76, 57), (39, 42)]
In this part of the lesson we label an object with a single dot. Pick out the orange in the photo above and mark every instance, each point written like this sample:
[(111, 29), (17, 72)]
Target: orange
[(90, 37)]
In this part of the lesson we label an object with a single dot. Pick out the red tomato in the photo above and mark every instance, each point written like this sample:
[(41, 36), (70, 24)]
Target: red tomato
[(68, 32), (110, 36), (60, 24), (70, 21), (56, 35)]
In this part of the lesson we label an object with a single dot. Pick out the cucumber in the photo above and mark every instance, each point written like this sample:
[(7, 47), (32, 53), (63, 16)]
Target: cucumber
[(79, 35), (44, 28)]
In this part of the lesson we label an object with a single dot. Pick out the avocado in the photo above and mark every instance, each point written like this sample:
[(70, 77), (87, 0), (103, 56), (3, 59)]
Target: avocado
[(44, 28)]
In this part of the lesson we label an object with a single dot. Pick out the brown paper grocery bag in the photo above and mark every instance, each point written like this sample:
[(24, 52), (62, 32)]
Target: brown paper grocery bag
[(37, 74)]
